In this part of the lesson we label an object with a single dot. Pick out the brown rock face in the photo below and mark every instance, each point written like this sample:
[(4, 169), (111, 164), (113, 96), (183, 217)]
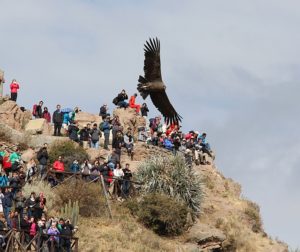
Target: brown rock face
[(38, 126), (83, 118), (205, 236), (13, 116), (128, 118)]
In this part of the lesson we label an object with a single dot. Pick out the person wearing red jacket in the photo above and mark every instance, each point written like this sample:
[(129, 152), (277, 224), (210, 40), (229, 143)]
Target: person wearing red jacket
[(6, 165), (46, 115), (133, 105), (14, 86), (58, 165)]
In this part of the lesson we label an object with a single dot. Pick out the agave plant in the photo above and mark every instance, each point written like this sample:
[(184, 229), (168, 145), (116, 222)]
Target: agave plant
[(171, 176)]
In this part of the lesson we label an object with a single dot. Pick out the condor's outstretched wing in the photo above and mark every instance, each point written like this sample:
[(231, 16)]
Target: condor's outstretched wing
[(152, 60), (162, 103)]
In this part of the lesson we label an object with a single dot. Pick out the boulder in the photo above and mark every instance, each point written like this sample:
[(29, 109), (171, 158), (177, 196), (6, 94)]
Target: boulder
[(28, 155), (13, 116), (205, 236), (38, 126), (35, 141), (128, 118), (83, 118)]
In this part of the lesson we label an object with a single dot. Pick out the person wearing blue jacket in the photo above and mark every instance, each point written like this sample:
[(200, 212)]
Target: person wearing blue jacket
[(168, 143), (7, 203), (75, 167), (3, 180), (106, 130), (66, 120)]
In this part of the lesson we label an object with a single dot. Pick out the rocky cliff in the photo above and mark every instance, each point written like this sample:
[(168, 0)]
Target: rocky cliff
[(228, 222)]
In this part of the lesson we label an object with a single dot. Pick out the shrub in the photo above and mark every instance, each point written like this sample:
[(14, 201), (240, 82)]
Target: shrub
[(171, 176), (4, 136), (162, 214), (252, 212), (89, 197), (69, 151)]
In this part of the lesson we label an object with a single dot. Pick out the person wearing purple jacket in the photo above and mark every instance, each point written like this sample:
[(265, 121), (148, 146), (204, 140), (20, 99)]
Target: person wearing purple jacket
[(53, 232)]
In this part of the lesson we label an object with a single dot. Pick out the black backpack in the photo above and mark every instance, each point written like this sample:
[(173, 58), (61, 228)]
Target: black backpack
[(115, 101)]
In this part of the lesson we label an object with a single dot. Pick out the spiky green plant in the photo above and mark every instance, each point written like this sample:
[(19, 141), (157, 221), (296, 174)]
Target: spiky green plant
[(171, 176), (71, 211)]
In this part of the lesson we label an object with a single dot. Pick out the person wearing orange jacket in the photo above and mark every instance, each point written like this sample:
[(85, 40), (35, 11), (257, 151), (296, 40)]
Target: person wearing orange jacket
[(14, 86), (133, 105)]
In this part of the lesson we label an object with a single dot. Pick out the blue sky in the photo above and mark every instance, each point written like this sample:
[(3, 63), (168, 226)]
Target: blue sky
[(231, 69)]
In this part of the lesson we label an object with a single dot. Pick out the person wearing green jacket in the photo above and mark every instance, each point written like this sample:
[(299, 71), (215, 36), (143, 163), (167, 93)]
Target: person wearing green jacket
[(15, 159)]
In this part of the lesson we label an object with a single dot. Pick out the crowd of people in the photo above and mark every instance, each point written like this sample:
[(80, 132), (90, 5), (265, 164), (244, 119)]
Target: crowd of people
[(29, 212)]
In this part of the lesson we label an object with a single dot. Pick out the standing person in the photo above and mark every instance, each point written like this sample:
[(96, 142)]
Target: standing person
[(57, 119), (7, 202), (104, 111), (59, 166), (106, 130), (132, 103), (1, 202), (73, 131), (40, 207), (126, 182), (85, 136), (39, 110), (75, 167), (46, 115), (116, 126), (1, 82), (42, 157), (14, 86), (129, 143), (31, 204), (95, 136), (66, 120)]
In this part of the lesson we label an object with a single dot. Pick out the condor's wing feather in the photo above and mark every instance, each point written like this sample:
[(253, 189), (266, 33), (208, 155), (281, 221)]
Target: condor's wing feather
[(162, 103), (152, 60)]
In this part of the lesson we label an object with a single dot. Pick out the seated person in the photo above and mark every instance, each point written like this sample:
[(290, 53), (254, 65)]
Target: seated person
[(132, 103), (121, 99)]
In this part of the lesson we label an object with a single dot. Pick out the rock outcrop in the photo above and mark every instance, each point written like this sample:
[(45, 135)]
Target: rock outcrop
[(83, 118), (205, 237), (38, 126), (128, 118), (34, 141), (12, 115)]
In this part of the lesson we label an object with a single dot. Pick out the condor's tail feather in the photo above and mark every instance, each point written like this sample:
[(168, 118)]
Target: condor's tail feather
[(142, 87)]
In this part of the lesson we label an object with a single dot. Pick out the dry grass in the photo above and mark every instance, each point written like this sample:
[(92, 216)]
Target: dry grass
[(123, 233), (237, 236), (253, 215)]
